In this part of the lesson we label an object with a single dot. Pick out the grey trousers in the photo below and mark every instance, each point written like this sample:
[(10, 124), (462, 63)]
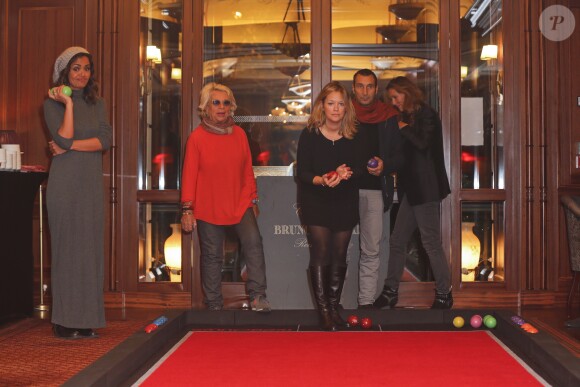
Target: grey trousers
[(427, 217), (371, 229), (211, 239)]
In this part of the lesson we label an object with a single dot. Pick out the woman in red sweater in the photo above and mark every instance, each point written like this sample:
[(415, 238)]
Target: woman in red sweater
[(218, 189)]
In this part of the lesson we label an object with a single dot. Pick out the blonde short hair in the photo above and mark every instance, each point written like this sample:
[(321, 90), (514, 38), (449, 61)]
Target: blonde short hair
[(318, 118), (205, 97)]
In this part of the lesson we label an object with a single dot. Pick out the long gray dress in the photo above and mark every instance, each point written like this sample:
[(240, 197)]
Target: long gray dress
[(76, 216)]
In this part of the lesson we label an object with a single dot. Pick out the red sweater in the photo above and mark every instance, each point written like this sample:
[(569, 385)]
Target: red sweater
[(218, 178)]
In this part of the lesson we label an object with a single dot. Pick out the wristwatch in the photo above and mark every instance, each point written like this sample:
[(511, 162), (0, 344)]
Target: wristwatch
[(255, 201)]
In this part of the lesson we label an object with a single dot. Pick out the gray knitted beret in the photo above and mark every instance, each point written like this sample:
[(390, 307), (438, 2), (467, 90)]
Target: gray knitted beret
[(63, 59)]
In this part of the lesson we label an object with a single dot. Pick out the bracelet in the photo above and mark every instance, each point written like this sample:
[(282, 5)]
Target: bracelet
[(186, 208)]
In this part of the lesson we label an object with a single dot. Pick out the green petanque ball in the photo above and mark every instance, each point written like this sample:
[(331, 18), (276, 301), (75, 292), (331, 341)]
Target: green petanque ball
[(490, 322)]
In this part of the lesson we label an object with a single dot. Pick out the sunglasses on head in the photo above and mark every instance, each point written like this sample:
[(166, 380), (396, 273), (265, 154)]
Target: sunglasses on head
[(217, 102)]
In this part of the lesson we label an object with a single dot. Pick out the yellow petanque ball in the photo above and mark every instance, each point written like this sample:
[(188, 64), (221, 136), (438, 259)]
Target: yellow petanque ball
[(458, 322)]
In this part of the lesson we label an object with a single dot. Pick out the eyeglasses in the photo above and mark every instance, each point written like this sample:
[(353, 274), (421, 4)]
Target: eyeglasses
[(217, 102)]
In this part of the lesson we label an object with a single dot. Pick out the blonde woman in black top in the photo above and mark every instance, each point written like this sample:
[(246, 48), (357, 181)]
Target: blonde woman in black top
[(327, 163)]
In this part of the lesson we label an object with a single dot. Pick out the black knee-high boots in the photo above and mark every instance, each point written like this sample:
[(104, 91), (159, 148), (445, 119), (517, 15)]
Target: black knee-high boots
[(319, 278), (335, 284), (327, 283)]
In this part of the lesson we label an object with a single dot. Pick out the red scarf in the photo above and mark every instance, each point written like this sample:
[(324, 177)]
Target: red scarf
[(376, 112)]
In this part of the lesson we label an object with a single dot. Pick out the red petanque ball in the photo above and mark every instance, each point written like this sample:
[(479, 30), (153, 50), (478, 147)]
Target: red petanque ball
[(352, 320), (366, 323)]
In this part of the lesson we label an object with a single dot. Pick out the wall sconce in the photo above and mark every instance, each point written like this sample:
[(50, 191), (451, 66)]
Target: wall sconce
[(176, 74), (154, 54), (488, 52), (470, 251), (463, 72), (172, 250)]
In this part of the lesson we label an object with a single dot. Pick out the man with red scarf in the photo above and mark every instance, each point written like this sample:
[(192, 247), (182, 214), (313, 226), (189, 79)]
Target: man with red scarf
[(376, 187)]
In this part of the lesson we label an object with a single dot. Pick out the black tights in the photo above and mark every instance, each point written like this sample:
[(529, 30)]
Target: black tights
[(328, 247)]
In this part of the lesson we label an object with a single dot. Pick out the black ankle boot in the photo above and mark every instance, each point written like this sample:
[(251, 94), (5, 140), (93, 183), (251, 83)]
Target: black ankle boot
[(318, 278), (66, 333), (442, 300), (88, 333), (388, 297), (335, 284)]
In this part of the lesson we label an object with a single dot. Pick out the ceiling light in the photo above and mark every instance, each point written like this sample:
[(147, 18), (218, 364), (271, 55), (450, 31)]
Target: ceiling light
[(407, 11), (392, 32)]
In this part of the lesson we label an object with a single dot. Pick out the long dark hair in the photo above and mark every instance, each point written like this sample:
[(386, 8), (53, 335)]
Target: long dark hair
[(414, 98), (90, 92)]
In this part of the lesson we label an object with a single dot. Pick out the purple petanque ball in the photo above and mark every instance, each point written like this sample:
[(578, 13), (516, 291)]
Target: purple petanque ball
[(518, 320)]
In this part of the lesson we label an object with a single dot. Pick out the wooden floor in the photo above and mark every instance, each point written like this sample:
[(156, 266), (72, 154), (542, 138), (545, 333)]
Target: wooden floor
[(550, 321), (553, 321)]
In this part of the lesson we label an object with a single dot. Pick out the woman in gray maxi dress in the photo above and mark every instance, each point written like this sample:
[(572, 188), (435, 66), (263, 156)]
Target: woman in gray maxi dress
[(80, 132)]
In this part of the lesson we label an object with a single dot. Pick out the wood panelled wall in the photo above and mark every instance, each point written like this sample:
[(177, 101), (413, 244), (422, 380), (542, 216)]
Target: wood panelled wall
[(541, 87)]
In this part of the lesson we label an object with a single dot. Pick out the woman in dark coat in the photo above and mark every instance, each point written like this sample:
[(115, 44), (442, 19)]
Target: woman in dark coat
[(421, 185)]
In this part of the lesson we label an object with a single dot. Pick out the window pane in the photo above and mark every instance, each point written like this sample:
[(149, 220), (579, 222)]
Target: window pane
[(482, 241), (389, 38), (482, 157), (263, 54), (160, 102), (159, 242)]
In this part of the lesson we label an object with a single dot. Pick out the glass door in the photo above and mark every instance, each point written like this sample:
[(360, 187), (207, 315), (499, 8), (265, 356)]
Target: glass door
[(159, 141)]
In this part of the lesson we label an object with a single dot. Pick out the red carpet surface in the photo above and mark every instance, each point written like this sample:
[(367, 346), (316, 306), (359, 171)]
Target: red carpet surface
[(340, 359)]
